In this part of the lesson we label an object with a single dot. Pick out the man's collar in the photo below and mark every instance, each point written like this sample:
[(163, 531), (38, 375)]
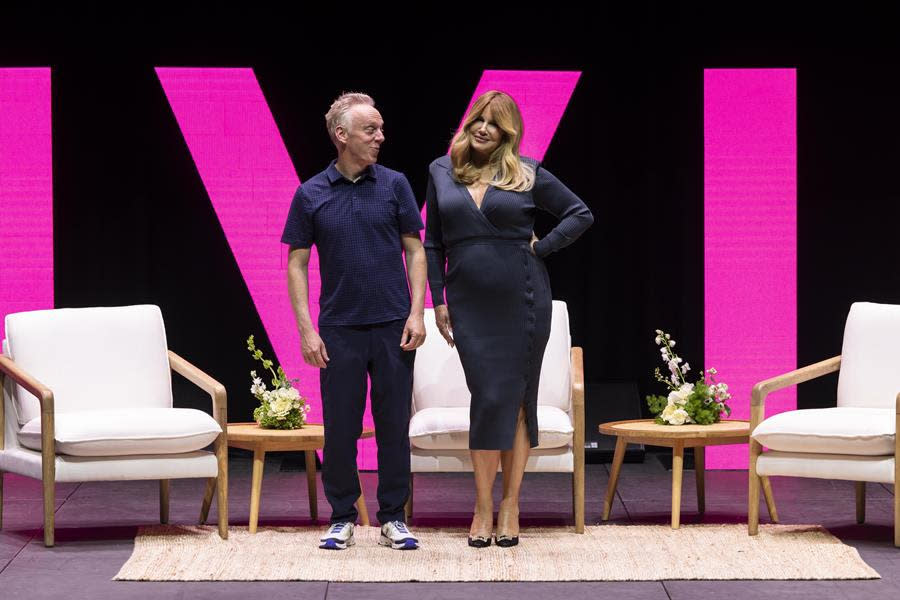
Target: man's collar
[(334, 176)]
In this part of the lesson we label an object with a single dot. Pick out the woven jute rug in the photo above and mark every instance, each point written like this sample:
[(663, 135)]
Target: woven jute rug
[(603, 553)]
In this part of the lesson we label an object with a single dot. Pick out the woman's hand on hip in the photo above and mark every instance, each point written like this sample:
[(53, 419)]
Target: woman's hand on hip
[(534, 239), (442, 318)]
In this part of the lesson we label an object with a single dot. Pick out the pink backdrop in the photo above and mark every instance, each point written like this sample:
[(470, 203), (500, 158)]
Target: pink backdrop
[(250, 179), (749, 199), (750, 236), (26, 191)]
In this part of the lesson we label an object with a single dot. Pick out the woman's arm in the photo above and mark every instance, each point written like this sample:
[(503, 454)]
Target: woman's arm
[(574, 216), (434, 245)]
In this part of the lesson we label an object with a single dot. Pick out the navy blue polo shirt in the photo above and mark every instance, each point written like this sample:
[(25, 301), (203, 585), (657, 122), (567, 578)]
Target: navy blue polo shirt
[(356, 228)]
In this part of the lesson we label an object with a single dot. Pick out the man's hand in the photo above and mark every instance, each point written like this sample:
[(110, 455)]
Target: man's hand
[(442, 318), (313, 348), (413, 333)]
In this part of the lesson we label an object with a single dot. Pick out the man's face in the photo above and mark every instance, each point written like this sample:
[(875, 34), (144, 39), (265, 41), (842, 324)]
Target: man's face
[(365, 133)]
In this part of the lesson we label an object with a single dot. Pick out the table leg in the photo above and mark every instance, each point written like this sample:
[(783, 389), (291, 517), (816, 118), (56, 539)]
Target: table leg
[(700, 476), (259, 460), (311, 484), (361, 504), (618, 457), (677, 466)]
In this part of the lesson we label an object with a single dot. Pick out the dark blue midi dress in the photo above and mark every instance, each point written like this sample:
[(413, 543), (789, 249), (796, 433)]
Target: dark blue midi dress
[(498, 290)]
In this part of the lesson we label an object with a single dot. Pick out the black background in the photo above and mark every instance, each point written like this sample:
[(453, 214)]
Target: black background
[(134, 224)]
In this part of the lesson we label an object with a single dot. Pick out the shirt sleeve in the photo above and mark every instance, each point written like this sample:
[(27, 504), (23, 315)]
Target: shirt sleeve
[(551, 195), (298, 230), (434, 245), (408, 215)]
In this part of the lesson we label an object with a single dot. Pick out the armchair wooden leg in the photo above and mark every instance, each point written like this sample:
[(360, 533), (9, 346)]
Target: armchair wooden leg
[(408, 507), (753, 498), (769, 497), (896, 515), (49, 514), (1, 497), (578, 494), (163, 501), (311, 493), (207, 499), (860, 501)]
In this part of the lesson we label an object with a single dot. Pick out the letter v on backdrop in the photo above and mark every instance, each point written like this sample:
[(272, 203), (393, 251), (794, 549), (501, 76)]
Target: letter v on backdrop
[(250, 179)]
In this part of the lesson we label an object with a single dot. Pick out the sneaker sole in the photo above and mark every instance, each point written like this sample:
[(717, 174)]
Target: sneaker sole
[(336, 544), (404, 544)]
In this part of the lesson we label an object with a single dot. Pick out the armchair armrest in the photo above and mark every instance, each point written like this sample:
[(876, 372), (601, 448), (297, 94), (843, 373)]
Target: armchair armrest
[(8, 368), (767, 386), (206, 383), (577, 364), (40, 391)]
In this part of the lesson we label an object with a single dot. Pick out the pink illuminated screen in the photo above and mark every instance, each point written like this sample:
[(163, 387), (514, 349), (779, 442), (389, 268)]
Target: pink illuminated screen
[(750, 236), (542, 97), (26, 192), (251, 180)]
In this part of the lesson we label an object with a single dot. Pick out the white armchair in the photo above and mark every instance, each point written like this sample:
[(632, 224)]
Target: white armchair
[(439, 427), (855, 440), (87, 396)]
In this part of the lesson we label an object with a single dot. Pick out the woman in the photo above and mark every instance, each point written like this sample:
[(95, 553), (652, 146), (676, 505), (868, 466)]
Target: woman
[(481, 202)]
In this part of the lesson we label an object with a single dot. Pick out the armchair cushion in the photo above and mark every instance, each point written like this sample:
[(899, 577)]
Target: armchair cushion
[(839, 430), (100, 358), (448, 428), (122, 432)]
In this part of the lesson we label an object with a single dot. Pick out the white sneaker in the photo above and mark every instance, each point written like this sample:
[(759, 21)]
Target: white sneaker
[(396, 535), (338, 537)]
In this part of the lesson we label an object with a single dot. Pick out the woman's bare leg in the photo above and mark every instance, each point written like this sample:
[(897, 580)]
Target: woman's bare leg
[(484, 463), (513, 462)]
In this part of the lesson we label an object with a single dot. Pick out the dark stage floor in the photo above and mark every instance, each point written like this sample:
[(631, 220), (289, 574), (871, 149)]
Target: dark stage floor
[(96, 524)]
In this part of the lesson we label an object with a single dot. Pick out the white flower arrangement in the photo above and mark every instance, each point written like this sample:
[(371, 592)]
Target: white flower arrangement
[(282, 407), (702, 402)]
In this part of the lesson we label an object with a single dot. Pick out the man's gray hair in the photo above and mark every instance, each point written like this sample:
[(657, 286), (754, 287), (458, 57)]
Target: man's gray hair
[(337, 114)]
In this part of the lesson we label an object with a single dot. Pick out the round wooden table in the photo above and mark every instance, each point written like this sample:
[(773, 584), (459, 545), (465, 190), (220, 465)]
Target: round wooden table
[(250, 436), (677, 437)]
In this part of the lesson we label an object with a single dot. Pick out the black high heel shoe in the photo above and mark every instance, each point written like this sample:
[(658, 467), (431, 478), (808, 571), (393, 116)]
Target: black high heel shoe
[(504, 540), (480, 541)]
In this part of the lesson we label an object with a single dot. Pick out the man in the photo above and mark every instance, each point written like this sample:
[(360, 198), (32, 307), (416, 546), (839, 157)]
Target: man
[(359, 215)]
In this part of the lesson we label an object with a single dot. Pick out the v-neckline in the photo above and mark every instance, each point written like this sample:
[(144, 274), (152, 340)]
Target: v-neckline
[(479, 208)]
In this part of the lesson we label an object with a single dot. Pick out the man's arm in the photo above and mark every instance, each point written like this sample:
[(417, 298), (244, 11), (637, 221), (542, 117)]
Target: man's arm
[(314, 352), (414, 331)]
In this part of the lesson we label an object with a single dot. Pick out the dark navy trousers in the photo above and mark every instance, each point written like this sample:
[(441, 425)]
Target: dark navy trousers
[(354, 353)]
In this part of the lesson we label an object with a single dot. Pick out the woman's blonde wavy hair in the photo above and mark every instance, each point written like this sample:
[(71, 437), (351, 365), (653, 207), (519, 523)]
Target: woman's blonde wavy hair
[(510, 172)]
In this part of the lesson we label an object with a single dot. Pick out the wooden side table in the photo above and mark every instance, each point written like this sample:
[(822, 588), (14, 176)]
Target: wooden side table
[(678, 437), (250, 436)]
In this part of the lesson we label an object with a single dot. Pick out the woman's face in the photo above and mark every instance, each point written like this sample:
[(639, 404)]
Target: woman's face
[(484, 134)]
